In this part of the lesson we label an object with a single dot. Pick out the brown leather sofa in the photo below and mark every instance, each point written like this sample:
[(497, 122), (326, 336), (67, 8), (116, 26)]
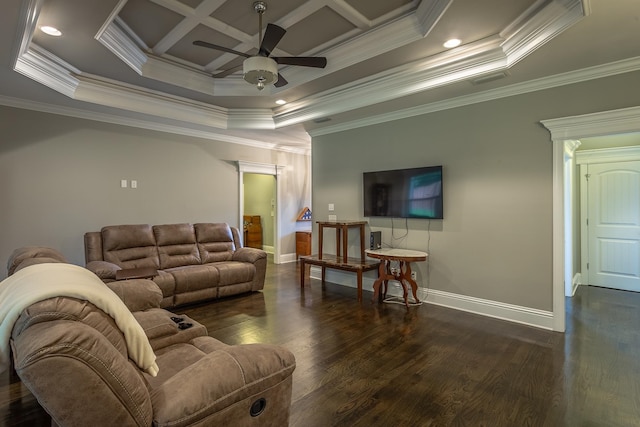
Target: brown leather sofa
[(195, 262), (74, 359)]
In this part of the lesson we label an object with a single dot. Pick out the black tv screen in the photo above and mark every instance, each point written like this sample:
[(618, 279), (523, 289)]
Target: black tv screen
[(404, 193)]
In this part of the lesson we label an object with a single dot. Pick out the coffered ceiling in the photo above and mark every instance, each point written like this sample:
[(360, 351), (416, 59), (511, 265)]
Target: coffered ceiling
[(134, 62)]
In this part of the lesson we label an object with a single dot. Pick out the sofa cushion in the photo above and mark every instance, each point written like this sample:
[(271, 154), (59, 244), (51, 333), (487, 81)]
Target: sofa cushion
[(215, 242), (233, 272), (176, 245), (201, 281), (130, 246), (137, 294)]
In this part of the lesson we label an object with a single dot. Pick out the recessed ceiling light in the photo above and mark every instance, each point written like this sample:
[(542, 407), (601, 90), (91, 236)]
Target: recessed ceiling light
[(452, 43), (281, 102), (52, 31)]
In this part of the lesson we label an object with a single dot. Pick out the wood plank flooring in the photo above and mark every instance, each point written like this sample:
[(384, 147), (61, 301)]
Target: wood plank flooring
[(383, 365)]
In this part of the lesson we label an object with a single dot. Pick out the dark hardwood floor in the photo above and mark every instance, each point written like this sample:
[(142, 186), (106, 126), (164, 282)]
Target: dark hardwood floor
[(383, 365)]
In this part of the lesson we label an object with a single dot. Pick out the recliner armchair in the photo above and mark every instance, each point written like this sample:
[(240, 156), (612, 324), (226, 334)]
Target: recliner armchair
[(74, 359)]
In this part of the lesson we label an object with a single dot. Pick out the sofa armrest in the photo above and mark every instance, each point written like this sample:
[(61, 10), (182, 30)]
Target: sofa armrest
[(251, 255), (222, 379), (258, 258), (103, 269), (137, 294)]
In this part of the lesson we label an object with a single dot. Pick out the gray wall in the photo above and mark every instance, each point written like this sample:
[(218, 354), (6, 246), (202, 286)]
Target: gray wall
[(495, 242), (60, 177)]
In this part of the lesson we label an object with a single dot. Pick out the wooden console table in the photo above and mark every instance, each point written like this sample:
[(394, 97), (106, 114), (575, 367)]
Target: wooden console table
[(404, 257), (341, 260), (337, 262)]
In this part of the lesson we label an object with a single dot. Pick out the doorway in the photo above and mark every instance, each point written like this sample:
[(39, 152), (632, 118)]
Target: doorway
[(564, 132), (275, 172), (259, 210)]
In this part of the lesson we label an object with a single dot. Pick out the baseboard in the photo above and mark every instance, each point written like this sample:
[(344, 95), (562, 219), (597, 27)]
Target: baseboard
[(577, 281), (286, 258), (499, 310)]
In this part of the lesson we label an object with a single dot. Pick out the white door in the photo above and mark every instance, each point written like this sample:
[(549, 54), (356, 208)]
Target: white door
[(613, 224)]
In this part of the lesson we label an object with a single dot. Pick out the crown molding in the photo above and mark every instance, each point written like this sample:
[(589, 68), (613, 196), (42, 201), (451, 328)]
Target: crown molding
[(114, 94), (429, 13), (251, 119), (465, 63), (591, 73), (176, 129), (42, 69), (116, 40), (541, 27), (624, 120)]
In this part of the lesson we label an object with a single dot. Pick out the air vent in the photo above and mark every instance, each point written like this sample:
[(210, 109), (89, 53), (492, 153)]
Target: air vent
[(490, 77), (321, 119)]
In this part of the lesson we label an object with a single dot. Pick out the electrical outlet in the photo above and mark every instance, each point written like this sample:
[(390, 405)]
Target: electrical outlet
[(414, 275)]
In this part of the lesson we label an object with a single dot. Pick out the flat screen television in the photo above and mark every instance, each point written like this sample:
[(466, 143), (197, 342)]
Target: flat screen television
[(404, 193)]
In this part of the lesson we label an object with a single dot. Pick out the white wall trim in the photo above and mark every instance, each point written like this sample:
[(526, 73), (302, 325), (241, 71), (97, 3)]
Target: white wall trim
[(499, 310), (608, 155)]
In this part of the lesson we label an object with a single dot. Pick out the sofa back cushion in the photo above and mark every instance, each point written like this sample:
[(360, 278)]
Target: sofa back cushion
[(130, 246), (215, 242), (29, 255), (176, 245)]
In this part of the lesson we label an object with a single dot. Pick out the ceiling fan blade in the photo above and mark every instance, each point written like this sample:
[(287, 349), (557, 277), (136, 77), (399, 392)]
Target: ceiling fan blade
[(272, 36), (281, 81), (305, 61), (222, 48), (228, 72)]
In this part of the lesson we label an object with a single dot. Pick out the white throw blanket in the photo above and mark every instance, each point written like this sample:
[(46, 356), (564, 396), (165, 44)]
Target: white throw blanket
[(42, 281)]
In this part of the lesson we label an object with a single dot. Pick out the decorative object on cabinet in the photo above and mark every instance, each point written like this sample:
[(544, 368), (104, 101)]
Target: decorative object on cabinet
[(252, 231), (304, 215)]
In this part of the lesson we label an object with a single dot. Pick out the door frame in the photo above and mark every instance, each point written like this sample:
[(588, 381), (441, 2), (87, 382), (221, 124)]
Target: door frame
[(564, 132), (264, 169)]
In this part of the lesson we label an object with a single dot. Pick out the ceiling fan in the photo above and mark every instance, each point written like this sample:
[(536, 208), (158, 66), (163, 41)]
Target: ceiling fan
[(262, 69)]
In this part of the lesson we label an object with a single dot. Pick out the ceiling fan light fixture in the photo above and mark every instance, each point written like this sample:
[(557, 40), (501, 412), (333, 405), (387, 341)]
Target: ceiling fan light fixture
[(260, 71)]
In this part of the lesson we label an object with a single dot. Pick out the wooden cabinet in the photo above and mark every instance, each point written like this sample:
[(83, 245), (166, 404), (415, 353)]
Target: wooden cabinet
[(303, 243), (252, 231)]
